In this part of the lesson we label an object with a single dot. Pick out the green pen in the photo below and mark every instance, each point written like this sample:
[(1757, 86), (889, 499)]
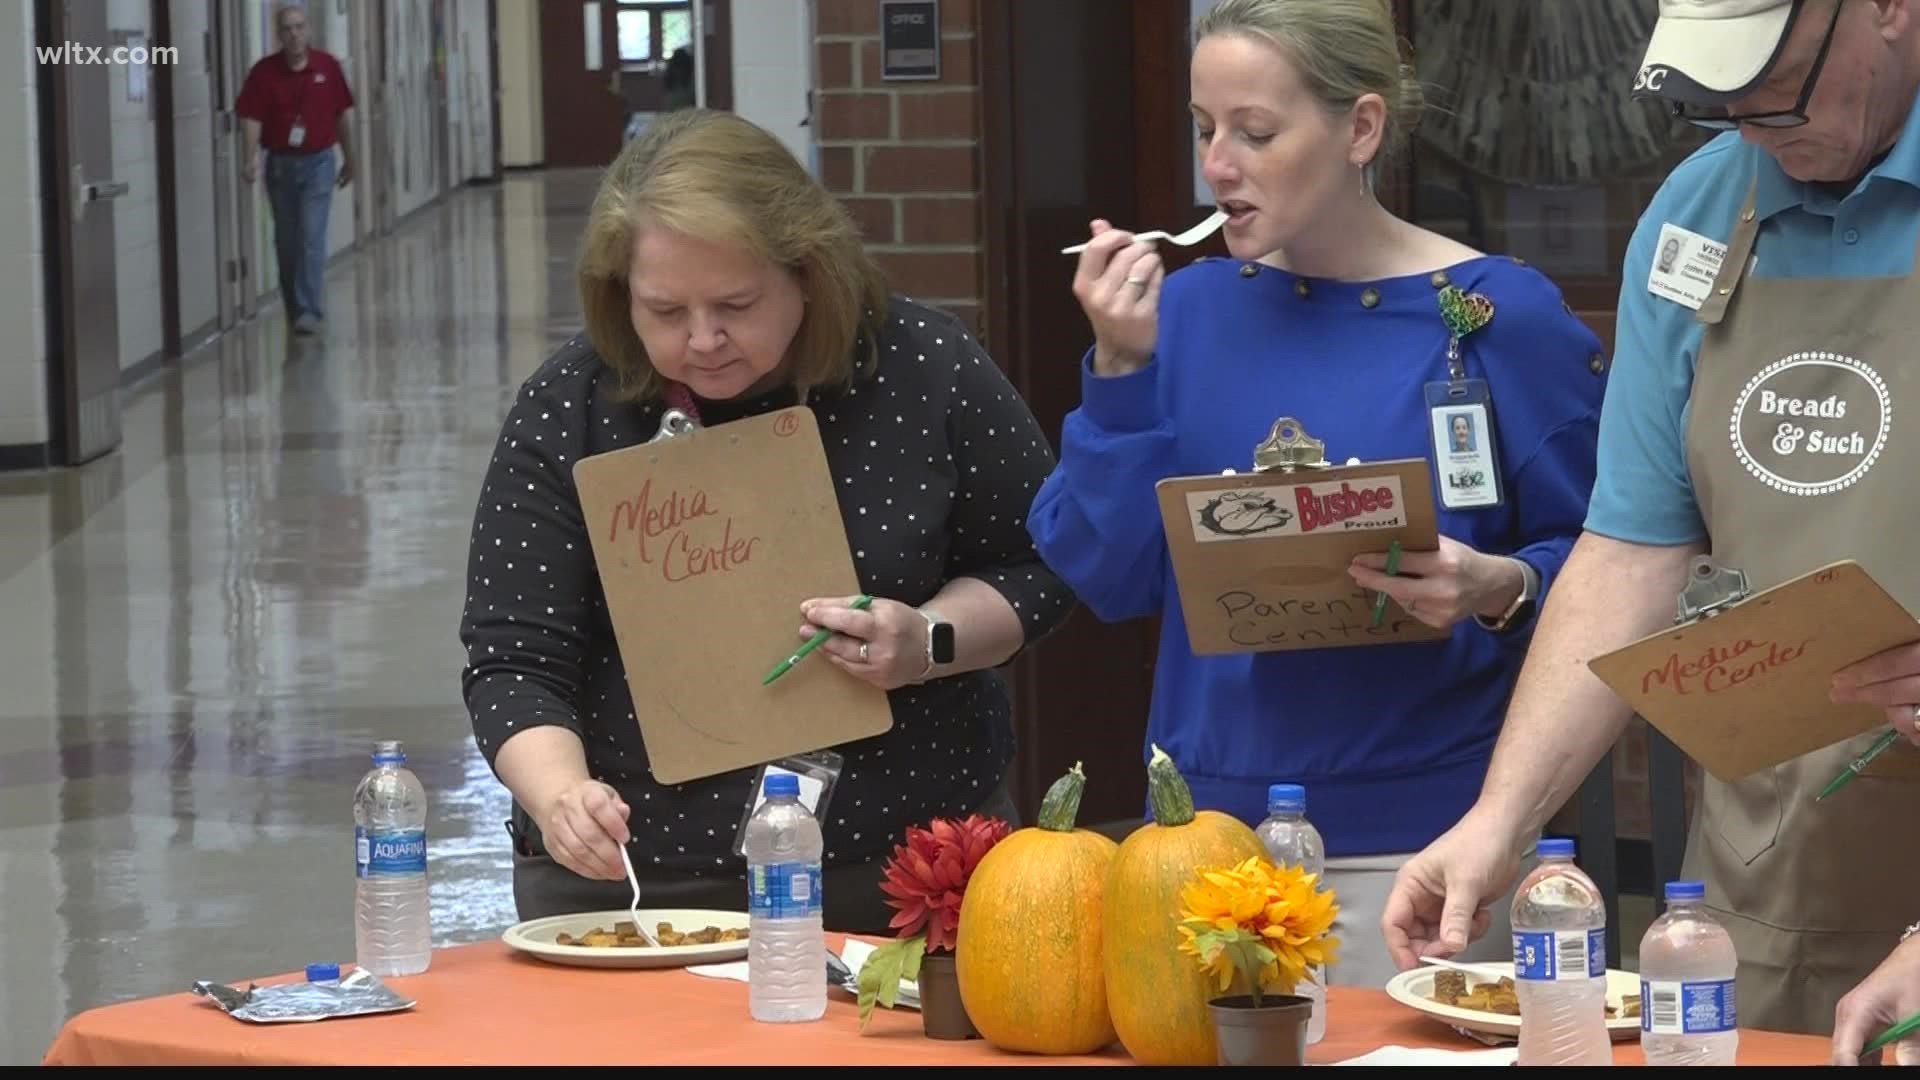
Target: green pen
[(1393, 568), (1857, 764), (1891, 1034), (860, 602)]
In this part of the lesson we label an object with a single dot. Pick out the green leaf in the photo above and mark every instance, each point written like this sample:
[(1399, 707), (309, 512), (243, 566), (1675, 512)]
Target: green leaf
[(1245, 951), (880, 976)]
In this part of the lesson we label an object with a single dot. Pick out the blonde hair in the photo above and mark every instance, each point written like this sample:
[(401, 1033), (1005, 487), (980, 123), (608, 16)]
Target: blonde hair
[(1343, 48), (717, 178)]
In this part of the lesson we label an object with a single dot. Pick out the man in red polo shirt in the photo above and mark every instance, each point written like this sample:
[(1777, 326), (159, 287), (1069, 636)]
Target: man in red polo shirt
[(295, 103)]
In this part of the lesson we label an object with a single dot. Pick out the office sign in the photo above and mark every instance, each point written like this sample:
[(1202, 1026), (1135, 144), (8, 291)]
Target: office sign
[(909, 39)]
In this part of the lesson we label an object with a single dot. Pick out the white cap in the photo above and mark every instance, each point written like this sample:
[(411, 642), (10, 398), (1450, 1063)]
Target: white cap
[(1711, 52)]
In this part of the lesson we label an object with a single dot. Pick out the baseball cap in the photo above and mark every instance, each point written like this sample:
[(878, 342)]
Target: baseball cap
[(1711, 52)]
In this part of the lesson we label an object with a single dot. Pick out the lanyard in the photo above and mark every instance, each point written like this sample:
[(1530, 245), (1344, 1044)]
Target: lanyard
[(679, 397)]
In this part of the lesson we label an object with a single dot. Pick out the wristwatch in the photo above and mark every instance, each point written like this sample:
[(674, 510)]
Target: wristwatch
[(939, 640), (1529, 590)]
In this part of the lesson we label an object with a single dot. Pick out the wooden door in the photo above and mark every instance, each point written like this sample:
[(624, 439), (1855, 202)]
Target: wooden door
[(1084, 102), (581, 104)]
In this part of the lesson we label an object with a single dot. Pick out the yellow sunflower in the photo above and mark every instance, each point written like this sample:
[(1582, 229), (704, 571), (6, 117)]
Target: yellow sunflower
[(1265, 924)]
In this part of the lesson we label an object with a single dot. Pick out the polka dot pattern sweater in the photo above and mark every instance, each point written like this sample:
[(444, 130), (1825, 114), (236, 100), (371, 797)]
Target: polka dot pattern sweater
[(936, 460)]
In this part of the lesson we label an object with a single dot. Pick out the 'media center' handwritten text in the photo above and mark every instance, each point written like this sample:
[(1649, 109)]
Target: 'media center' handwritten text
[(674, 529), (1722, 667)]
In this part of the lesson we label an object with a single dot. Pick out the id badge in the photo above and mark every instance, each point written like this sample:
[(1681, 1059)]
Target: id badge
[(818, 772), (1466, 464), (297, 134)]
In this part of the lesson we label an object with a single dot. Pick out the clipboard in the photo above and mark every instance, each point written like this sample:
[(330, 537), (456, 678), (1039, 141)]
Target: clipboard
[(1261, 558), (706, 541), (1741, 683)]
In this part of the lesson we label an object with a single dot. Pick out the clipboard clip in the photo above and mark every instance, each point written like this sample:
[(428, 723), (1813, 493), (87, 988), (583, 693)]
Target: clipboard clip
[(1288, 447), (1710, 590), (675, 422)]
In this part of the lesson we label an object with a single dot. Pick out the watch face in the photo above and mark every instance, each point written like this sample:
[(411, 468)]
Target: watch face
[(942, 641)]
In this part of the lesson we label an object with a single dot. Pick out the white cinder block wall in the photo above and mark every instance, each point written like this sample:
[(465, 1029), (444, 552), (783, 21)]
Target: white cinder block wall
[(773, 68), (522, 130), (23, 348), (136, 215)]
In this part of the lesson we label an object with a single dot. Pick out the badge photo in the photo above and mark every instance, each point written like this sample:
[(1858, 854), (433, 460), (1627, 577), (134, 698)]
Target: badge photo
[(1465, 468)]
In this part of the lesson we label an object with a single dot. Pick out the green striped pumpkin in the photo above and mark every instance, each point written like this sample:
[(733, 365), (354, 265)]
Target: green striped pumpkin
[(1028, 956)]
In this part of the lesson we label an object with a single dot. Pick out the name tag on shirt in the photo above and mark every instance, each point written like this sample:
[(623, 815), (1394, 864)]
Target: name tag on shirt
[(1467, 468), (1685, 265), (297, 135)]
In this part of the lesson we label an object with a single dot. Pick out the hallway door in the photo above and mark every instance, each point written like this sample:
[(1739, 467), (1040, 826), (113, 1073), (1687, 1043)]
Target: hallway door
[(194, 255), (582, 105), (84, 359), (232, 195), (1097, 130), (371, 180)]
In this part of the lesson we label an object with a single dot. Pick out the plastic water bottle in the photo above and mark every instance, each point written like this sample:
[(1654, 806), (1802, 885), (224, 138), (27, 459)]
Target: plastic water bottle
[(392, 923), (1291, 840), (1687, 965), (786, 946), (1560, 963)]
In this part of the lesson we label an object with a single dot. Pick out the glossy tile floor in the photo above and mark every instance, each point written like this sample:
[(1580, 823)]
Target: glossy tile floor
[(206, 631)]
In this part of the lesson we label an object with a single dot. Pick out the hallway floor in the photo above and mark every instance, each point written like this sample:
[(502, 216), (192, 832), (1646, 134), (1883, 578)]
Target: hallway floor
[(208, 630)]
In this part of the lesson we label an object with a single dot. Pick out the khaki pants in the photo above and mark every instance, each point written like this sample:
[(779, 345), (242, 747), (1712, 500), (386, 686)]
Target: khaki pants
[(1361, 885)]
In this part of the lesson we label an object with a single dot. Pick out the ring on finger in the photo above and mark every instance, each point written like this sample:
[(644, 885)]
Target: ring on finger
[(1914, 717), (1137, 283), (863, 652)]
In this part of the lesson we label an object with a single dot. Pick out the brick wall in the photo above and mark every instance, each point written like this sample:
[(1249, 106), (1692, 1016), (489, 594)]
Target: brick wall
[(905, 155)]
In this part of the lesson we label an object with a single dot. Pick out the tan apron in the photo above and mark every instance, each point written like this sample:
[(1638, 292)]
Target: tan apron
[(1804, 449)]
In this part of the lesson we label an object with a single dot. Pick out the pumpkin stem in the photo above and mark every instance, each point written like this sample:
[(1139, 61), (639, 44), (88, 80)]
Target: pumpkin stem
[(1172, 798), (1062, 803)]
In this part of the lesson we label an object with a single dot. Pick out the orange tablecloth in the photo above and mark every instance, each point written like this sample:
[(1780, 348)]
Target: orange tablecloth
[(486, 1004)]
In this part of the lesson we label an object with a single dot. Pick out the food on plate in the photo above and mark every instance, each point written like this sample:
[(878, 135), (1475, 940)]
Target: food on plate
[(1450, 988), (625, 935)]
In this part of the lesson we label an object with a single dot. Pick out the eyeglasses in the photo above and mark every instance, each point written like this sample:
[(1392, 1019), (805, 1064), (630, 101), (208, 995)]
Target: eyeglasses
[(1715, 120)]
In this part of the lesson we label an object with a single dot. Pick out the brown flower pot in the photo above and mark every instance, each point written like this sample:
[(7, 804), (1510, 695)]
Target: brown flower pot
[(1271, 1033), (941, 1010)]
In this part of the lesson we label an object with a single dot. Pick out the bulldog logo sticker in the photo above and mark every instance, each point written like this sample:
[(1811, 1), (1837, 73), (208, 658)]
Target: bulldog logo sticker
[(1811, 423)]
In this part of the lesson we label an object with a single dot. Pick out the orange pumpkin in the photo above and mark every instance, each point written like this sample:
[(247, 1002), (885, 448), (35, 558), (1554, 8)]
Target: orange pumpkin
[(1156, 993), (1029, 958)]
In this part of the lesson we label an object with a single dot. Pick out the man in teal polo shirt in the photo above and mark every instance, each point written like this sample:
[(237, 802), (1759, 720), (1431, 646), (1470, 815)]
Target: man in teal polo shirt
[(1764, 407)]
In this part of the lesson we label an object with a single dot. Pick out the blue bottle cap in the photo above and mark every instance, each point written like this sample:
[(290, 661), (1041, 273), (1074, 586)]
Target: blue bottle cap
[(1686, 890), (1286, 797), (323, 972), (781, 783), (1557, 846)]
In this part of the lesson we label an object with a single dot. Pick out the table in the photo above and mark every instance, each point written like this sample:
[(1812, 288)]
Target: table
[(488, 1004)]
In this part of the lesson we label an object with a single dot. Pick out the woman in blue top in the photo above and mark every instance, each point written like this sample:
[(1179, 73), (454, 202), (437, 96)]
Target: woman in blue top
[(1328, 311)]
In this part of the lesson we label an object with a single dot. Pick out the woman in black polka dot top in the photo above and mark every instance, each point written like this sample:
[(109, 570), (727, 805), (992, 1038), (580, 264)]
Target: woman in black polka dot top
[(718, 277)]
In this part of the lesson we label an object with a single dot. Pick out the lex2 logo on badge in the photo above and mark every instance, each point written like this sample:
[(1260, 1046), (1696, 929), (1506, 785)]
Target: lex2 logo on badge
[(1811, 423)]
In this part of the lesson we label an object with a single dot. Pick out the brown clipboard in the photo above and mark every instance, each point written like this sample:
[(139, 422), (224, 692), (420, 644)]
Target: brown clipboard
[(1262, 558), (1742, 682), (707, 540)]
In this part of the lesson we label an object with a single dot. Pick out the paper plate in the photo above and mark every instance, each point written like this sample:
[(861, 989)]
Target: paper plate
[(537, 937), (1414, 989)]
